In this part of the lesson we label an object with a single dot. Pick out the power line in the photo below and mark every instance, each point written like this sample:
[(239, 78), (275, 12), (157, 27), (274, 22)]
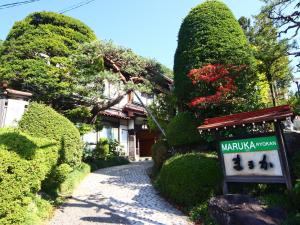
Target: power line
[(14, 4), (76, 6)]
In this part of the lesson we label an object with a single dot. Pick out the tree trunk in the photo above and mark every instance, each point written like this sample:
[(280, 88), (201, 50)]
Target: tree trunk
[(272, 93)]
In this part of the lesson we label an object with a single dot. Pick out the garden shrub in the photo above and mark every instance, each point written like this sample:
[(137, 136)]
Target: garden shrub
[(210, 34), (61, 172), (24, 163), (73, 179), (159, 153), (42, 121), (102, 149), (190, 179), (182, 130)]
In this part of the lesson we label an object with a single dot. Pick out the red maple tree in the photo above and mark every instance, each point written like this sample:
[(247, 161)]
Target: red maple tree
[(218, 76)]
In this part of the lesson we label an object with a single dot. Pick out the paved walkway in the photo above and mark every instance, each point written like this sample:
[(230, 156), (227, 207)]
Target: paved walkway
[(118, 195)]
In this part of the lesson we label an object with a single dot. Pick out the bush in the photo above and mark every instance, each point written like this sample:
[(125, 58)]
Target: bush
[(42, 121), (109, 161), (102, 149), (159, 153), (62, 172), (182, 130), (24, 163), (210, 34), (72, 179), (190, 179), (201, 214)]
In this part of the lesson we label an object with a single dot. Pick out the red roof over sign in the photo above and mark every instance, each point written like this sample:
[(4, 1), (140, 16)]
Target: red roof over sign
[(269, 114)]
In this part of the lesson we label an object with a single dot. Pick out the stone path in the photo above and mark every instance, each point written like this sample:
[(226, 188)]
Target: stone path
[(118, 195)]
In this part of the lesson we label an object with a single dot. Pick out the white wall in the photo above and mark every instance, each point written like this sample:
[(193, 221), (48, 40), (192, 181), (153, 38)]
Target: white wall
[(11, 111)]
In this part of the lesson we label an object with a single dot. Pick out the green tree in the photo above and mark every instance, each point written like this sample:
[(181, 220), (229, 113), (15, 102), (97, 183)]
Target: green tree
[(35, 54), (211, 35), (285, 16), (123, 68), (271, 54)]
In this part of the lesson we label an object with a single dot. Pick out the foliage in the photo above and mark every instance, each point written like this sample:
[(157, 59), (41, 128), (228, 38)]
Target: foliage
[(79, 116), (295, 103), (35, 54), (102, 149), (211, 35), (201, 214), (182, 130), (159, 153), (163, 109), (42, 121), (61, 172), (123, 69), (72, 179), (271, 54), (190, 179), (221, 80), (109, 161), (25, 163), (285, 15)]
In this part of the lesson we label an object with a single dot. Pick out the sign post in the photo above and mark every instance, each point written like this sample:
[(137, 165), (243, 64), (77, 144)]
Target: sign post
[(256, 158)]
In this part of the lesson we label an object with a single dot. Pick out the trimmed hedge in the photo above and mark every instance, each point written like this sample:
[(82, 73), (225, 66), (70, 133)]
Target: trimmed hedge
[(210, 34), (70, 182), (182, 130), (42, 121), (24, 163), (190, 179)]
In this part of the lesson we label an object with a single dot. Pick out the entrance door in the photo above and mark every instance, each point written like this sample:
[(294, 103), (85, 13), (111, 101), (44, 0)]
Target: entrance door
[(146, 140)]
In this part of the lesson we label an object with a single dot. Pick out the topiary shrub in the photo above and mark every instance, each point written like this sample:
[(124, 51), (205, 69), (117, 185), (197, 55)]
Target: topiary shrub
[(61, 172), (182, 130), (24, 163), (190, 179), (210, 34), (159, 153), (42, 121)]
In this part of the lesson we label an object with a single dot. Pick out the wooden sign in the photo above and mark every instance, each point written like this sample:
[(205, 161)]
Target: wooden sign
[(259, 158)]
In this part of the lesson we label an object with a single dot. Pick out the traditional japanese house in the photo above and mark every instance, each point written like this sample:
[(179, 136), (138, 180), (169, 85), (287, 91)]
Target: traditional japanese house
[(126, 121)]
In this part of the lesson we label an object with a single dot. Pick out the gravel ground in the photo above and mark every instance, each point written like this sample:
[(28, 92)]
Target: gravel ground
[(118, 195)]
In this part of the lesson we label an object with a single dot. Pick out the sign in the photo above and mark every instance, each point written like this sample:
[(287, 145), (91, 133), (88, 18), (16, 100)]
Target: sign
[(257, 156)]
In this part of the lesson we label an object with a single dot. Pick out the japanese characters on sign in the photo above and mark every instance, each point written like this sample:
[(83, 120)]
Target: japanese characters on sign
[(252, 157)]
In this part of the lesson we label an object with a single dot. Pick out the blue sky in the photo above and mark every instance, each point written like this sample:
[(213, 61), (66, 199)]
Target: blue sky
[(149, 27)]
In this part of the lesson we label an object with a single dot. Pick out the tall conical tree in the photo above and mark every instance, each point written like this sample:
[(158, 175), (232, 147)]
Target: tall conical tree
[(210, 34)]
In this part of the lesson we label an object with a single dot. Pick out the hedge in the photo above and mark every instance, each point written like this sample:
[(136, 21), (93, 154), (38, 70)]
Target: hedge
[(190, 179), (24, 163), (42, 121), (210, 34), (70, 182)]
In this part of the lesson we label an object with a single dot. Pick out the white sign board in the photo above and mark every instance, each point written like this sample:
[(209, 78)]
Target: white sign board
[(252, 157)]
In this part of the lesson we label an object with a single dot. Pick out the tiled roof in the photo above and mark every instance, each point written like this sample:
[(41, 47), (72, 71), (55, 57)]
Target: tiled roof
[(134, 108), (269, 114), (115, 113)]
